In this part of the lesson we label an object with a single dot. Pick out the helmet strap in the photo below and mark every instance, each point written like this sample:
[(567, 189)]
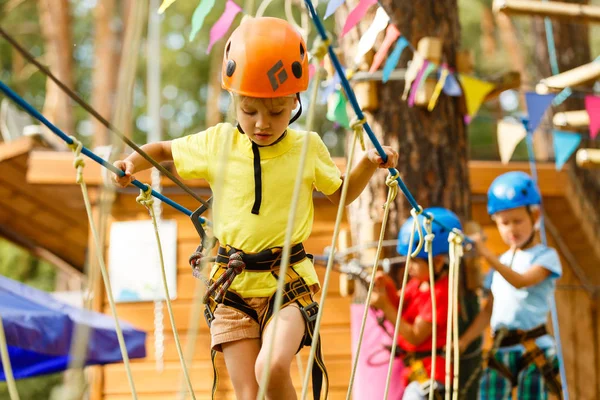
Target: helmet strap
[(299, 112)]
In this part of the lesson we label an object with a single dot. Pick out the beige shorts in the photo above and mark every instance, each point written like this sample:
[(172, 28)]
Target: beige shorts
[(231, 324)]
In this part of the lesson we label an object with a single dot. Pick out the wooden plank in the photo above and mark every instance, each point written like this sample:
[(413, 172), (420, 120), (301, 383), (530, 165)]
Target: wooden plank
[(141, 315), (586, 375), (16, 148), (334, 394), (574, 12), (565, 306), (482, 173), (148, 381)]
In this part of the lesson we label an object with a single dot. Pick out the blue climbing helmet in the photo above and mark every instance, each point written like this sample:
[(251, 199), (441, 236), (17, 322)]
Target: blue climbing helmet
[(512, 190), (447, 222)]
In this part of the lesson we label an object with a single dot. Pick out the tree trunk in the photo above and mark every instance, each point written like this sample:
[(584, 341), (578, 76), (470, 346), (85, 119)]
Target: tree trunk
[(105, 68), (432, 145), (55, 23)]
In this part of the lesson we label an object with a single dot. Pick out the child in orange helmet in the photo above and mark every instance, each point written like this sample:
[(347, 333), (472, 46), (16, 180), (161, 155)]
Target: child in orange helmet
[(251, 168)]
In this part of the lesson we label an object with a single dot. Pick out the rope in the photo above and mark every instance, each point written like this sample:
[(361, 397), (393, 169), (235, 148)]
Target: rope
[(429, 250), (551, 46), (392, 193), (10, 379), (285, 252), (79, 163), (456, 253), (410, 255), (336, 232), (145, 199), (37, 115), (75, 97), (553, 310)]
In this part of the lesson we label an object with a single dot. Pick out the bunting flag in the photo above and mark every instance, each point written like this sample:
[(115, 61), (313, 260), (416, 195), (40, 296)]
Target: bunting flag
[(336, 110), (451, 86), (368, 38), (509, 134), (411, 73), (391, 35), (475, 92), (592, 106), (332, 6), (393, 59), (165, 4), (565, 144), (221, 27), (331, 87), (438, 88), (200, 13), (417, 82), (537, 104), (356, 15)]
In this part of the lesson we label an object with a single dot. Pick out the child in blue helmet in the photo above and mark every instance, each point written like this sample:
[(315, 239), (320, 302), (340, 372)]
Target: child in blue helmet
[(523, 284), (415, 339)]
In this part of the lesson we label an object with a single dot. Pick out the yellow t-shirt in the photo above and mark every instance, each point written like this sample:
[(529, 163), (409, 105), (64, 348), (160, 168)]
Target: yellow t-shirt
[(223, 156)]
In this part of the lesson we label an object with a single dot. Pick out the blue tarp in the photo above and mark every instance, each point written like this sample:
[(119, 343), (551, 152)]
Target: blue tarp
[(39, 330)]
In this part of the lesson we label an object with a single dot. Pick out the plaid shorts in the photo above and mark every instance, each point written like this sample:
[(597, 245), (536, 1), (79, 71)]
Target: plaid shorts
[(531, 386)]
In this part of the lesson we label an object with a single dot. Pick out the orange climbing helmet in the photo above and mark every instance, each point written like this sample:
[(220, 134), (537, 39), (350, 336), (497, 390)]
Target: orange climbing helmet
[(265, 57)]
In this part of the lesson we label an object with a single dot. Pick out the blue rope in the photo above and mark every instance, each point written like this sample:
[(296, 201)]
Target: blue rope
[(553, 310), (551, 46), (359, 114), (37, 115)]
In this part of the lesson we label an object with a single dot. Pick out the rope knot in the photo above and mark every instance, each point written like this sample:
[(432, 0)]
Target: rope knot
[(78, 162), (320, 47), (392, 179), (236, 263), (357, 126), (145, 198), (429, 236)]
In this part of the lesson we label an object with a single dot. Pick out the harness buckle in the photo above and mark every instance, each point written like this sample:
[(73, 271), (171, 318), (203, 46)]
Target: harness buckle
[(310, 312), (209, 316)]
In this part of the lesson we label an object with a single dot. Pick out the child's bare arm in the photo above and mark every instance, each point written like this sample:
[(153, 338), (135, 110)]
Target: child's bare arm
[(159, 151), (362, 173), (477, 327)]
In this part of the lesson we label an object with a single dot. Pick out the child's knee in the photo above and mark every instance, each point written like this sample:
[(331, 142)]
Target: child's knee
[(279, 370)]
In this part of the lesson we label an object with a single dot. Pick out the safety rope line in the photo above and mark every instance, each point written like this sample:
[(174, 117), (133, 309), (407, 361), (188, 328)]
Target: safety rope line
[(10, 379), (429, 236), (357, 128), (553, 310), (75, 97), (452, 332), (285, 252), (37, 115), (79, 163), (391, 196), (416, 227), (145, 199)]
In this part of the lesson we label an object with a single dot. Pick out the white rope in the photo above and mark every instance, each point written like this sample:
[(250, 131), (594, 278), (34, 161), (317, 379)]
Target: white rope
[(429, 236), (392, 184), (10, 379), (285, 253), (146, 199), (456, 253), (330, 259), (79, 163), (410, 255)]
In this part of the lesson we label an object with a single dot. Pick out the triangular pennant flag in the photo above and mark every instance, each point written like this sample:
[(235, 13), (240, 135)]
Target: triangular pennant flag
[(223, 24), (332, 6), (475, 92), (391, 34), (393, 59), (537, 104), (438, 88), (411, 73), (199, 14), (416, 83), (565, 144), (336, 110), (509, 136), (165, 4), (451, 86), (368, 38), (356, 15), (592, 106)]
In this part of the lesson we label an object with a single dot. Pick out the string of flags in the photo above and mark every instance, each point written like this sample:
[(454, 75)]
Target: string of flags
[(448, 81)]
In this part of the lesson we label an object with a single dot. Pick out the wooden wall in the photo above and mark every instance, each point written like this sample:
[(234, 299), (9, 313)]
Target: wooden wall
[(578, 315)]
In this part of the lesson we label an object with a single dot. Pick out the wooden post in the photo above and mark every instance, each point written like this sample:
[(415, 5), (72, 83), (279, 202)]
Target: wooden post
[(588, 158), (574, 12), (571, 119), (571, 78)]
